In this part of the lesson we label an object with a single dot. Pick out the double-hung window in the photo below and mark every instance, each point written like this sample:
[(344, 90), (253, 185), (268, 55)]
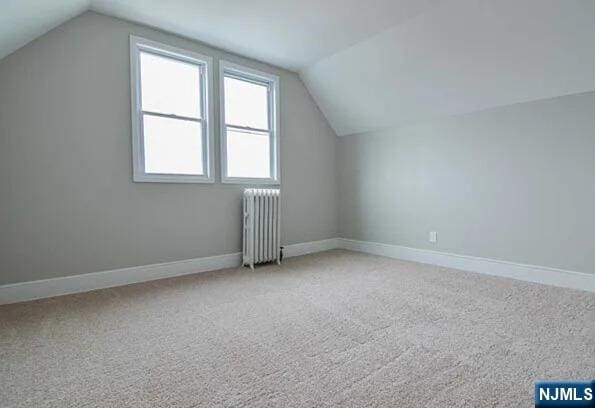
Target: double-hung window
[(249, 116), (172, 136)]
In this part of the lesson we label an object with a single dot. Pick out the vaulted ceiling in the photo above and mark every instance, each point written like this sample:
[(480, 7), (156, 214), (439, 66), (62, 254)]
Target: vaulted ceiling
[(24, 20), (288, 33), (374, 64), (458, 57)]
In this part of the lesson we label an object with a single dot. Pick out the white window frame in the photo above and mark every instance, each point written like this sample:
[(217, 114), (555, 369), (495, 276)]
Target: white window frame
[(138, 44), (272, 83)]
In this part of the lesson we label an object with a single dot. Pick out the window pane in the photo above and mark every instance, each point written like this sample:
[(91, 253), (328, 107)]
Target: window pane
[(246, 104), (172, 146), (169, 86), (248, 154)]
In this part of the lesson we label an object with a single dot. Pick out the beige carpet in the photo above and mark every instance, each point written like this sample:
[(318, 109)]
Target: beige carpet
[(332, 329)]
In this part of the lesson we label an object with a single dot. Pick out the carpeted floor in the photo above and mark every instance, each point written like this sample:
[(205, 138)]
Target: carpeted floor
[(332, 329)]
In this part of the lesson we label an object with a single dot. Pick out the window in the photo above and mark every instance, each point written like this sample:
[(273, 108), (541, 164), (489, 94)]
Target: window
[(249, 125), (170, 114)]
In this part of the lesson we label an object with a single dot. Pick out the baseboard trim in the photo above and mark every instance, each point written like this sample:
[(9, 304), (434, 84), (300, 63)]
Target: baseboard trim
[(20, 292), (310, 247), (530, 273), (66, 285), (24, 291)]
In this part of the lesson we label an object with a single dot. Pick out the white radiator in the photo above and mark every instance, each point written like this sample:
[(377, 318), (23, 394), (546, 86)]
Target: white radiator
[(262, 241)]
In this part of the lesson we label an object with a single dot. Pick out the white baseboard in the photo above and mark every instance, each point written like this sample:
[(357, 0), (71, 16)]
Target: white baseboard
[(310, 247), (530, 273), (20, 292), (39, 289), (24, 291)]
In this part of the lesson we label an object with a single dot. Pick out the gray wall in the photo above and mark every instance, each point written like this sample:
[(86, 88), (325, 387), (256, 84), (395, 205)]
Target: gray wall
[(515, 183), (67, 201)]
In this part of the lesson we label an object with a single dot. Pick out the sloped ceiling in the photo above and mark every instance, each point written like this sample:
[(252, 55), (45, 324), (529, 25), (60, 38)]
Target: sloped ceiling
[(372, 65), (288, 33), (458, 57), (24, 20)]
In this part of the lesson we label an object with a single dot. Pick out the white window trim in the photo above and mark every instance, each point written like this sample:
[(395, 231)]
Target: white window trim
[(261, 77), (138, 44)]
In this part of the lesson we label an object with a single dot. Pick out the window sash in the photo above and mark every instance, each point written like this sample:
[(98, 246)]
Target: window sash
[(183, 60), (205, 153), (201, 93), (247, 133), (270, 102), (203, 63), (272, 153), (271, 82), (272, 147)]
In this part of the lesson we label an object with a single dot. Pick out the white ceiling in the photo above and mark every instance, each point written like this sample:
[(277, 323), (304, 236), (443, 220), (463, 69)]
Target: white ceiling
[(374, 64), (24, 20), (287, 33), (461, 56)]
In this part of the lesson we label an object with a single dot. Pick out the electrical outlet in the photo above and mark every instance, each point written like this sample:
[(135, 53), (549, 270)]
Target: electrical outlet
[(433, 236)]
